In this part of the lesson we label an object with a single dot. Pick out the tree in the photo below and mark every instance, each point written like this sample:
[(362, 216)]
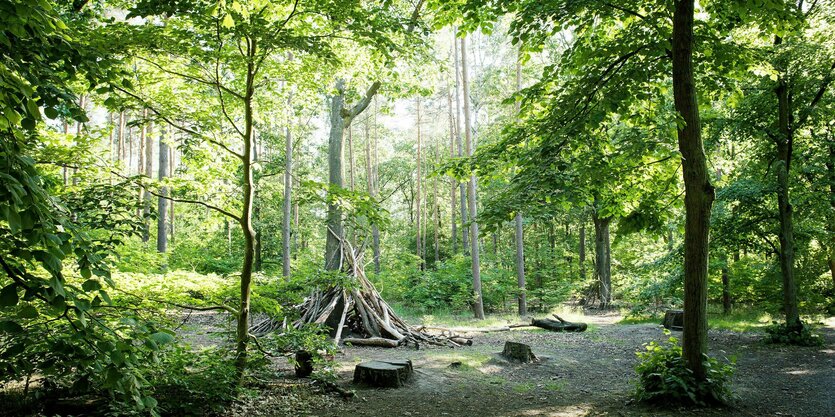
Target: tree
[(162, 204), (520, 243), (698, 194), (478, 303), (340, 118)]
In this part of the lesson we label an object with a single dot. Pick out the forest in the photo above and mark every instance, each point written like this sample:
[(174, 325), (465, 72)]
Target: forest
[(486, 207)]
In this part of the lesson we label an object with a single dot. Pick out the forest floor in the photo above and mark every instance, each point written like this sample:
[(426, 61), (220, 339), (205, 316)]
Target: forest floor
[(578, 374)]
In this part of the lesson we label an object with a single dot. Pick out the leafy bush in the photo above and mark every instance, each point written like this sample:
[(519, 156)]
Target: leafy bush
[(193, 383), (778, 333), (664, 377)]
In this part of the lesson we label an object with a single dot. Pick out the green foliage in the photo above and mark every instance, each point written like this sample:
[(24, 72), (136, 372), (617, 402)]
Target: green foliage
[(193, 383), (663, 377), (778, 333)]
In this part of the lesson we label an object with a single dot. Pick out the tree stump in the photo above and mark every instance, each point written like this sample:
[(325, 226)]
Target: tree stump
[(674, 319), (518, 352), (383, 374), (304, 364)]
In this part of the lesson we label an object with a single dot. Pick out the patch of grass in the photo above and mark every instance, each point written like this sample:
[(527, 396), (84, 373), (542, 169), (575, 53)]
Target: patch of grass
[(524, 387), (742, 319), (555, 386), (470, 359)]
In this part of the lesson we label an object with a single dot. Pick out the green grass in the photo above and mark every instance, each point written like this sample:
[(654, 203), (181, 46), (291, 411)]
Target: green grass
[(738, 320)]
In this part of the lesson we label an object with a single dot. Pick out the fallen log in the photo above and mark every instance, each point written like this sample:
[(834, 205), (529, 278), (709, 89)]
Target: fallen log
[(371, 341), (559, 326), (462, 340)]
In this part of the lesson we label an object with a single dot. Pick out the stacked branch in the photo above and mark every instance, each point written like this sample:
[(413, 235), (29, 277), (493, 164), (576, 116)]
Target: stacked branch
[(360, 316)]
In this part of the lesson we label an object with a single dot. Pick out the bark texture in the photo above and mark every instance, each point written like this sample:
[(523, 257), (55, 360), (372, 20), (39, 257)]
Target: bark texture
[(698, 191), (478, 303)]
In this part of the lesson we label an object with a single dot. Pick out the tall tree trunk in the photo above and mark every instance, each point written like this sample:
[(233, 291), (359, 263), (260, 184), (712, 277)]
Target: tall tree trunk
[(698, 192), (375, 230), (435, 210), (603, 259), (341, 118), (122, 136), (478, 304), (242, 334), (726, 288), (453, 181), (333, 253), (461, 187), (162, 202), (784, 144), (66, 170), (172, 219), (288, 187), (520, 241), (149, 172), (418, 180), (830, 169), (582, 250)]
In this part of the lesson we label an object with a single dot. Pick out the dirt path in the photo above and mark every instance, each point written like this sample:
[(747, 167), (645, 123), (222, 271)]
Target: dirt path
[(586, 374)]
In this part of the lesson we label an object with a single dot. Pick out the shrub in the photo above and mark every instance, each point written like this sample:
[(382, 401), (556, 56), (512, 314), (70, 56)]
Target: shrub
[(778, 333), (194, 383), (664, 377)]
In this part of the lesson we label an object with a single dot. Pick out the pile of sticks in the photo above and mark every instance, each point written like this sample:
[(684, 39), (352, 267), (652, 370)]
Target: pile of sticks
[(363, 312)]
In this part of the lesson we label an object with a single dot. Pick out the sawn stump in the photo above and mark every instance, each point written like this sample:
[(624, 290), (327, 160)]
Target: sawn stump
[(383, 374), (519, 352)]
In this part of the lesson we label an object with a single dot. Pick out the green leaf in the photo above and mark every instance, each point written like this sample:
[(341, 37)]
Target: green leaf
[(28, 312), (162, 338), (28, 124), (91, 285), (8, 296), (228, 21), (10, 327), (50, 112)]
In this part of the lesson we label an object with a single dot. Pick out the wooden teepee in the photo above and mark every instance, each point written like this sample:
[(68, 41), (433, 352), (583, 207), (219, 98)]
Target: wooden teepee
[(359, 314)]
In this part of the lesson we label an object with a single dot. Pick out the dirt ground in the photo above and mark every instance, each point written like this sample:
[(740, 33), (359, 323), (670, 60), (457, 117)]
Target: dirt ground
[(579, 374)]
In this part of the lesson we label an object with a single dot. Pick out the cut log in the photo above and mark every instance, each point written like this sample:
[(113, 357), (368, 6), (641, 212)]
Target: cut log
[(559, 326), (383, 374), (518, 352), (462, 340), (304, 364), (674, 319), (371, 341)]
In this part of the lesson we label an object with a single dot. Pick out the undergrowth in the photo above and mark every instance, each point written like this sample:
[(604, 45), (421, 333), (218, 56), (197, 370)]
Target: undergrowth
[(663, 377)]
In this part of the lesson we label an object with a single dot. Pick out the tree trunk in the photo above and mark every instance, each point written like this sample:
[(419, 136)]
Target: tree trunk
[(726, 289), (830, 169), (370, 182), (698, 192), (242, 333), (162, 203), (582, 250), (149, 172), (603, 258), (375, 230), (453, 183), (461, 188), (784, 144), (172, 219), (435, 211), (333, 254), (288, 187), (478, 303), (418, 180), (121, 136), (520, 242)]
